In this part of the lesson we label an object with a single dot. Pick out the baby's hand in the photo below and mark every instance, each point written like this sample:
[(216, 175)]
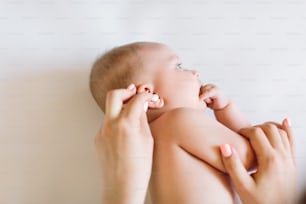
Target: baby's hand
[(213, 97)]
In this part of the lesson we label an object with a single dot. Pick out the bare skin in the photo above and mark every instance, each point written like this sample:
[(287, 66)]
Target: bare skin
[(187, 167), (274, 147), (125, 147), (186, 138), (250, 189)]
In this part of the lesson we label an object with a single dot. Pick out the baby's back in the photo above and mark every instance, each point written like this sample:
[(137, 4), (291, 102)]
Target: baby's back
[(178, 176)]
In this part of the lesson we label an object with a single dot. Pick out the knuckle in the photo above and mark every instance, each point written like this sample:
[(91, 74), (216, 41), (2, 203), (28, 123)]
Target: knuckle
[(273, 158), (111, 94), (124, 123), (228, 163), (269, 126), (283, 133), (284, 155), (266, 125), (231, 164), (256, 130)]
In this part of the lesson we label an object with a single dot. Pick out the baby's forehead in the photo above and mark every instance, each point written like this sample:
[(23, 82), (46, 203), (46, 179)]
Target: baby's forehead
[(153, 46), (159, 49)]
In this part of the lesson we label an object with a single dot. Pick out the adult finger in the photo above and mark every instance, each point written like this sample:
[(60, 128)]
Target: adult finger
[(273, 134), (137, 106), (288, 128), (285, 140), (115, 99), (278, 125), (242, 181), (281, 131), (258, 140)]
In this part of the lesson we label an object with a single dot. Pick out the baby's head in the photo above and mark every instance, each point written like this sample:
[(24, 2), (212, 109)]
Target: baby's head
[(152, 67), (113, 70)]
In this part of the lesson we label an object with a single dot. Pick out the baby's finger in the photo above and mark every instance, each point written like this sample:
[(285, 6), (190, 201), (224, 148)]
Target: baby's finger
[(206, 88), (115, 99), (208, 100), (208, 94)]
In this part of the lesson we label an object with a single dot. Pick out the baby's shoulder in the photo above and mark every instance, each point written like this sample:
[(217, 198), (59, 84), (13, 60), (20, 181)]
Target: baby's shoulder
[(178, 123), (179, 119)]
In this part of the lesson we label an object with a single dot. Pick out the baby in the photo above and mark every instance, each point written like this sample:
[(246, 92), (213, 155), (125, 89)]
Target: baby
[(187, 166)]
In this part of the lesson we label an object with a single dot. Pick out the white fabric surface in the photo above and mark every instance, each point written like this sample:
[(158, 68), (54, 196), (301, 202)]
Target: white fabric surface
[(254, 50)]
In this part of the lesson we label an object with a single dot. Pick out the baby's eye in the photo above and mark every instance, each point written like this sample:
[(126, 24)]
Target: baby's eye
[(179, 66)]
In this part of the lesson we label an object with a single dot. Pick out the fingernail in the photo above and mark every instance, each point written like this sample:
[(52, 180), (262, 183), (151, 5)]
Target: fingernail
[(131, 87), (145, 106), (226, 150), (288, 122)]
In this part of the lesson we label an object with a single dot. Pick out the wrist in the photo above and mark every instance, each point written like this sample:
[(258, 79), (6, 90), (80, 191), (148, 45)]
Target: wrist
[(229, 103), (124, 192)]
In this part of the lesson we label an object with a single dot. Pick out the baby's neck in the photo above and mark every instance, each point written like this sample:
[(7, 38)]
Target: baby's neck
[(154, 114)]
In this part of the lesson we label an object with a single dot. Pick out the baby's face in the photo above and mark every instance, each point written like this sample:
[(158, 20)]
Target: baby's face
[(177, 86)]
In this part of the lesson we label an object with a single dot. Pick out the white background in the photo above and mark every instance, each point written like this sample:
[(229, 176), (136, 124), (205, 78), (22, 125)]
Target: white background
[(254, 50)]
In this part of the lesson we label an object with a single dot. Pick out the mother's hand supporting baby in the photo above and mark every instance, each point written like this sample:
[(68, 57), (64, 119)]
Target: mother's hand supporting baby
[(276, 178), (125, 147)]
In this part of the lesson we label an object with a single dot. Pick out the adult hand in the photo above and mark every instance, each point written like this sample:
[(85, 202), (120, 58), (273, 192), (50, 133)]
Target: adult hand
[(276, 178), (125, 147)]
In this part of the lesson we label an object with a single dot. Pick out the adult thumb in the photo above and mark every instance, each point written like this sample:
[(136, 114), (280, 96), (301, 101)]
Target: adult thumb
[(240, 178)]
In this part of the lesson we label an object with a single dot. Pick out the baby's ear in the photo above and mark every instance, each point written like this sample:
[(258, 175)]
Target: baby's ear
[(145, 88), (156, 102)]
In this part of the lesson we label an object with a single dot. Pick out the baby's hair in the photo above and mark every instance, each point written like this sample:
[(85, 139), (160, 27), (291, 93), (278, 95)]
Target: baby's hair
[(113, 70)]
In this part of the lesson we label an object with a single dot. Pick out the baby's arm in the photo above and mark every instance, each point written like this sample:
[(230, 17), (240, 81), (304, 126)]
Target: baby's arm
[(232, 117), (201, 136), (225, 110)]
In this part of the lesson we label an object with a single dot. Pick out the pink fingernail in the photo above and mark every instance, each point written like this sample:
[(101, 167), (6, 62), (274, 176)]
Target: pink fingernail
[(146, 106), (226, 150), (288, 122), (131, 87)]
